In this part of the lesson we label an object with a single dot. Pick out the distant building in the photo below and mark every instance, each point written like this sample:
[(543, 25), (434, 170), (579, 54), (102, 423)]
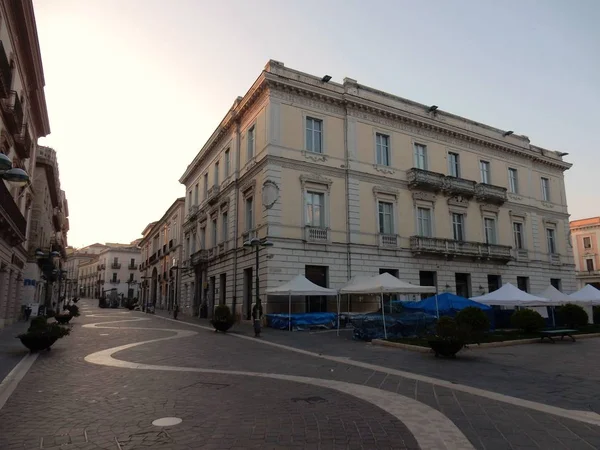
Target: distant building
[(118, 270), (585, 237)]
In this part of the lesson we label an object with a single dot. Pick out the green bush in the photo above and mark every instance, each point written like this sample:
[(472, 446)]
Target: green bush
[(40, 327), (74, 310), (473, 320), (527, 320), (447, 328), (223, 314), (596, 314), (38, 322), (573, 316)]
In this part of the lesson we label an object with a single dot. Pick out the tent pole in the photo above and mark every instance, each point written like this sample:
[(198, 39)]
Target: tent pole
[(383, 316), (290, 311), (338, 315)]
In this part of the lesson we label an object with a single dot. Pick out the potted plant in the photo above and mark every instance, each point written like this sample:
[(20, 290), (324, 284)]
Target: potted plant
[(449, 338), (41, 335), (527, 320), (131, 303), (222, 320), (73, 310), (64, 317)]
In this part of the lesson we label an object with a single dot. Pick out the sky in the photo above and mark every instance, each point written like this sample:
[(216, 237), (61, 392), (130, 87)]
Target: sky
[(135, 87)]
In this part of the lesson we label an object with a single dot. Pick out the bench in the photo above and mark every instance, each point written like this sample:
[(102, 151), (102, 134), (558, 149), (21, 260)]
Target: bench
[(550, 334)]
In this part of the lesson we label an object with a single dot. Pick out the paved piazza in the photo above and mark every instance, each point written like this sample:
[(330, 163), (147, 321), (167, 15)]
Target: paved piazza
[(103, 386)]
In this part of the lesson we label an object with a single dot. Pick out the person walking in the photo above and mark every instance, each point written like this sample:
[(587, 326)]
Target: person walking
[(175, 311)]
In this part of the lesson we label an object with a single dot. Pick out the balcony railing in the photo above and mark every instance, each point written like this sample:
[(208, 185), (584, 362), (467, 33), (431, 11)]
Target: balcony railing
[(316, 234), (459, 186), (450, 248), (199, 257), (14, 112), (587, 273), (424, 179), (132, 266), (490, 194), (115, 265), (11, 219), (388, 240), (113, 281), (212, 194), (23, 143), (5, 72)]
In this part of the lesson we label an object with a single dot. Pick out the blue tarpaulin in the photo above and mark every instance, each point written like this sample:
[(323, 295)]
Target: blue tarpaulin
[(370, 326), (302, 321), (447, 303)]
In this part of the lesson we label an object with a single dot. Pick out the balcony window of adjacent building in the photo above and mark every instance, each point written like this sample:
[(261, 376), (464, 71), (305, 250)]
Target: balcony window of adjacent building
[(513, 181), (420, 156), (551, 240), (251, 137), (424, 222), (587, 242), (315, 202), (382, 143), (225, 227), (589, 264), (214, 232), (453, 164), (114, 277), (227, 162), (386, 217), (489, 225), (484, 169), (314, 135), (249, 214), (518, 235), (545, 189), (458, 226), (216, 174)]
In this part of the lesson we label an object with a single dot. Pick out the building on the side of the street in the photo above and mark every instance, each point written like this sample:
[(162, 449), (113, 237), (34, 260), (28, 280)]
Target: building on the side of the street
[(161, 267), (75, 259), (585, 238), (88, 279), (49, 225), (346, 180), (118, 270), (23, 119)]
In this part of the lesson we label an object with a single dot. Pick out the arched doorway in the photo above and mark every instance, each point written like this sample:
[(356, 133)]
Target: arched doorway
[(154, 287)]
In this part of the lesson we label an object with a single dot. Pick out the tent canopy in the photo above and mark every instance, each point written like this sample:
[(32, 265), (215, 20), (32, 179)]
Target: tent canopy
[(445, 302), (587, 294), (555, 296), (385, 283), (300, 285), (509, 295)]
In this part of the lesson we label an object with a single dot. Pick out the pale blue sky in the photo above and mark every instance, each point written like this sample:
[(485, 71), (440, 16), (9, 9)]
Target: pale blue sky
[(135, 87)]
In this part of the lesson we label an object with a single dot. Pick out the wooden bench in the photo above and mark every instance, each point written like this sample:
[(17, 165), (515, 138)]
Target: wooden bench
[(550, 334)]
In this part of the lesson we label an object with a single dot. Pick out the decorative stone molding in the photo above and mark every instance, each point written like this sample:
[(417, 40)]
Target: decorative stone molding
[(384, 169), (270, 193), (202, 218), (317, 179), (547, 205), (458, 201), (424, 196), (316, 101), (549, 223), (316, 157), (248, 188), (385, 190), (515, 198), (487, 208), (213, 211), (517, 215), (224, 205)]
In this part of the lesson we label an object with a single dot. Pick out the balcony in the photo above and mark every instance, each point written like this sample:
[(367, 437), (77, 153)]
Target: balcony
[(164, 249), (588, 274), (153, 258), (199, 257), (488, 193), (192, 212), (450, 248), (115, 265), (58, 219), (13, 225), (159, 253), (212, 195), (132, 266), (171, 244), (424, 179), (212, 252), (388, 240), (459, 186), (13, 112), (114, 281), (5, 72), (23, 143), (316, 234)]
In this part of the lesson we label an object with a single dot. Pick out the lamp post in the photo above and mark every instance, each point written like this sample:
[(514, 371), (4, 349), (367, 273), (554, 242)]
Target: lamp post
[(257, 244), (46, 263), (145, 293), (14, 175), (175, 299)]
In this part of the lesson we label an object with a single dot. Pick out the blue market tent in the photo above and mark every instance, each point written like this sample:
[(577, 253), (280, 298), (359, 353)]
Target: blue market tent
[(447, 303)]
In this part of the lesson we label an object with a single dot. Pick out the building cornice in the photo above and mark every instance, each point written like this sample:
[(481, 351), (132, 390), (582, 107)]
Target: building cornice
[(159, 223)]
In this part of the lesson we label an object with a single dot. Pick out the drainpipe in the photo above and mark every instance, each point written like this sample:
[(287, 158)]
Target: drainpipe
[(347, 179), (235, 223)]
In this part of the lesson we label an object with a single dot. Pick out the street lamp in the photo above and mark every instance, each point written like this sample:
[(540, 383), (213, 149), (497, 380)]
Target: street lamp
[(46, 263), (257, 244), (14, 175)]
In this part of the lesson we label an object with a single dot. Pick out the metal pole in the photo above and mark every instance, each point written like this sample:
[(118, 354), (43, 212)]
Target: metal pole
[(256, 279)]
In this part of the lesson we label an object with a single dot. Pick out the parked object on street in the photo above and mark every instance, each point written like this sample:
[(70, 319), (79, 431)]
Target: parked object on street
[(223, 319), (41, 335), (257, 317), (175, 311)]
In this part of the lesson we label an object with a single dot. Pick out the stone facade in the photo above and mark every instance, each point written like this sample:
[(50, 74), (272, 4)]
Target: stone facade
[(585, 237)]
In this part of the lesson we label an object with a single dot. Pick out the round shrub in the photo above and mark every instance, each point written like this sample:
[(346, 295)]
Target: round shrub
[(573, 316), (222, 319), (527, 320), (473, 319), (446, 328)]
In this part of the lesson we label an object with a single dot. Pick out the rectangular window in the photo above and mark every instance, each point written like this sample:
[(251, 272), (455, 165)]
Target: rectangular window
[(189, 199), (453, 164), (188, 247), (557, 283), (193, 243), (314, 135), (587, 242), (589, 264), (383, 149), (251, 142), (551, 239), (130, 277), (132, 263), (114, 277), (545, 189), (214, 233), (315, 209), (196, 194), (203, 238), (484, 168), (216, 183), (116, 260), (224, 227), (523, 283), (489, 225), (249, 214), (458, 226), (518, 235), (513, 181), (227, 162), (386, 217), (420, 156), (424, 222), (205, 185)]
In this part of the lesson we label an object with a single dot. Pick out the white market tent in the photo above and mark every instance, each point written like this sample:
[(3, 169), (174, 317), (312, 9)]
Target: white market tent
[(509, 295), (587, 294), (384, 283), (299, 285), (555, 296)]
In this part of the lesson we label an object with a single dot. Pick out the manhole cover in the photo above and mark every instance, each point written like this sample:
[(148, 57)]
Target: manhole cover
[(167, 422)]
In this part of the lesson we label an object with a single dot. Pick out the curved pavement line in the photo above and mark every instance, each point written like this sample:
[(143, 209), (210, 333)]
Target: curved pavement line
[(431, 429), (588, 417)]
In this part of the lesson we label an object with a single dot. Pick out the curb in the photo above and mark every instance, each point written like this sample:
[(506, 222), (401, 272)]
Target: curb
[(418, 348)]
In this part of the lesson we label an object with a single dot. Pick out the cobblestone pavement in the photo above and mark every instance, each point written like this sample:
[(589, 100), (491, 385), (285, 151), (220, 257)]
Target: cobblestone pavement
[(488, 424), (11, 349)]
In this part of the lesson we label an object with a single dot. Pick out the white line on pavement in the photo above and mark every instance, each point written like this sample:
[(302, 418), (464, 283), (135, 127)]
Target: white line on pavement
[(10, 383)]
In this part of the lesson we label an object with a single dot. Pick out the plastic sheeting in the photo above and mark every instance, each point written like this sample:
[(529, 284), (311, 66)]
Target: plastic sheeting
[(302, 321), (370, 326)]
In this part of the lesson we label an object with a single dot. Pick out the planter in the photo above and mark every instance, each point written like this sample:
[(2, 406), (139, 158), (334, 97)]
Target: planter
[(37, 342), (221, 325), (63, 319), (447, 348)]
